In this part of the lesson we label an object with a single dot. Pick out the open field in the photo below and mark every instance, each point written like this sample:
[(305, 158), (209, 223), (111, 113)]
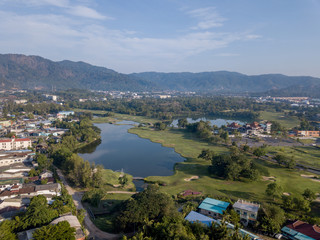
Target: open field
[(287, 122), (108, 210), (190, 147), (306, 155)]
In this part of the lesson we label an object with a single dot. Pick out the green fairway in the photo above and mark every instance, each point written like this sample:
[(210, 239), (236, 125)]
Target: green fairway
[(306, 155), (287, 122), (108, 208), (190, 147)]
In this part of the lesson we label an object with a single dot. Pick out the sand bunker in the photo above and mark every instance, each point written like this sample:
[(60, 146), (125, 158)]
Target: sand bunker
[(191, 178), (271, 178)]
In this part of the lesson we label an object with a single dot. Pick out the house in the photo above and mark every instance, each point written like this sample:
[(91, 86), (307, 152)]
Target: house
[(64, 114), (13, 143), (298, 230), (46, 174), (234, 126), (195, 217), (213, 207), (6, 123), (248, 211), (28, 191), (74, 222), (8, 158), (304, 133)]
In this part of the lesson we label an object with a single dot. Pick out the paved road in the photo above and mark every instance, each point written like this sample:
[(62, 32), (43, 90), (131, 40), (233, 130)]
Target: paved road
[(94, 232)]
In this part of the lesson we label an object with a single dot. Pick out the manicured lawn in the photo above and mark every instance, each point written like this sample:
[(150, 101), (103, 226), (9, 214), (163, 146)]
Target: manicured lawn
[(111, 178), (110, 205), (287, 122), (190, 147), (306, 155)]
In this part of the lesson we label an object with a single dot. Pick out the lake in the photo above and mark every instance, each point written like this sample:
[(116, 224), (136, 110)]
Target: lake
[(120, 150), (218, 122)]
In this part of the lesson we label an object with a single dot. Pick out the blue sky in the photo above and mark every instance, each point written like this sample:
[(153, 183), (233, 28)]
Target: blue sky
[(247, 36)]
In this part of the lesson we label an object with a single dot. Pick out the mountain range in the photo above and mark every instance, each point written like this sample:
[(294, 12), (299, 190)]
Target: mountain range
[(34, 72)]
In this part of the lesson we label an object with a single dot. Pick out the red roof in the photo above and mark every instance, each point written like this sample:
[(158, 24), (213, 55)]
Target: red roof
[(306, 229), (16, 140), (234, 125)]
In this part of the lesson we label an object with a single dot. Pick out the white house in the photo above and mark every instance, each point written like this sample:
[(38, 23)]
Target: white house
[(13, 143)]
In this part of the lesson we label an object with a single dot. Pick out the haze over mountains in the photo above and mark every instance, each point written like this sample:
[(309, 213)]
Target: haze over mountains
[(34, 72)]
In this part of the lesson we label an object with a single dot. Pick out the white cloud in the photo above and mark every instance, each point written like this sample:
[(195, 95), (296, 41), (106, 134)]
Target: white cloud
[(207, 17), (82, 11), (58, 37), (68, 7)]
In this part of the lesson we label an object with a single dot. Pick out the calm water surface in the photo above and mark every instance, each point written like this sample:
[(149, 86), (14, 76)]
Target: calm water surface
[(122, 150), (218, 122)]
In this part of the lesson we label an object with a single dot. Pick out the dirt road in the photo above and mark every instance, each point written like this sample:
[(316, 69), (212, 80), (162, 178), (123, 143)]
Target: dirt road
[(93, 231)]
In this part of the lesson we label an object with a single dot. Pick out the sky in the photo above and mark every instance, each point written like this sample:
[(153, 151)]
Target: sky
[(247, 36)]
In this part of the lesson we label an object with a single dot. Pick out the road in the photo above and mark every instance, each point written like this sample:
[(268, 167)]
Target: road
[(93, 231)]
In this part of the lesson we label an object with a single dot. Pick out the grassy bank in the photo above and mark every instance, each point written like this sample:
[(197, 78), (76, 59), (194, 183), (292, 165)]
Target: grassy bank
[(287, 122), (306, 155), (190, 147)]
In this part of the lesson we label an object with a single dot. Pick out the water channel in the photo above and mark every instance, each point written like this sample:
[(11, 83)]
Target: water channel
[(122, 151)]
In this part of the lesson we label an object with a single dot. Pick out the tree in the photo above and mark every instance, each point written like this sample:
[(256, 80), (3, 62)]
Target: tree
[(259, 152), (206, 154), (309, 195), (182, 123), (302, 204), (60, 231), (38, 213), (149, 204), (123, 180), (160, 126), (281, 159), (291, 163), (274, 190), (271, 218), (42, 161), (6, 230), (225, 136)]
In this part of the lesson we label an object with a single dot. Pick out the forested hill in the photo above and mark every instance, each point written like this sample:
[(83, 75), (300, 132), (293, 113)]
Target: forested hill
[(34, 72), (231, 82)]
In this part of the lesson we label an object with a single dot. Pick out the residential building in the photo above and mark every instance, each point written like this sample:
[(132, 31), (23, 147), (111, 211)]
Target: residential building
[(6, 123), (64, 114), (305, 133), (10, 158), (299, 230), (213, 207), (28, 191), (74, 222), (15, 143), (248, 211), (195, 217)]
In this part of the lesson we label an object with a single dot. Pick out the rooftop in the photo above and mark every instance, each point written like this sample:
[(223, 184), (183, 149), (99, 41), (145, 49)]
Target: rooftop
[(214, 205), (302, 230), (248, 206)]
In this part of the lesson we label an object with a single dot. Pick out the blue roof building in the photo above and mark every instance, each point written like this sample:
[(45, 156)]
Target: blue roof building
[(195, 217), (198, 217), (213, 207)]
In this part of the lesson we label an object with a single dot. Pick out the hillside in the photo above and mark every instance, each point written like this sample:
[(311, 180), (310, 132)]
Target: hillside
[(229, 82), (33, 72)]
